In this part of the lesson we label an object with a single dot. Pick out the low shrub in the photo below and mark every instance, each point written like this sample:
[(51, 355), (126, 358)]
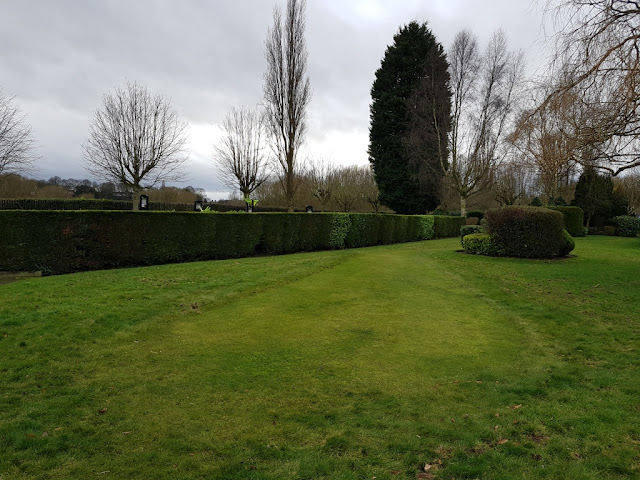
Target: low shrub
[(482, 244), (468, 230), (528, 232), (609, 230), (569, 244), (573, 219), (475, 213), (626, 226)]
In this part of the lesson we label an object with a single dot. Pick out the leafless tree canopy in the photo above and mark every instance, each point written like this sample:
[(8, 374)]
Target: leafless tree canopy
[(240, 158), (320, 181), (484, 90), (597, 63), (545, 139), (16, 143), (136, 137), (287, 91)]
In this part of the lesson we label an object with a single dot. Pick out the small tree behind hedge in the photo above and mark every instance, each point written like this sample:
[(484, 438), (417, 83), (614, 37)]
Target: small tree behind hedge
[(527, 232)]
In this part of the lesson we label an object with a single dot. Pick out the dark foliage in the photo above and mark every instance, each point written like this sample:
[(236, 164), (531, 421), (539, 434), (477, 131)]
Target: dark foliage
[(573, 220), (594, 194), (627, 226), (68, 241), (479, 214), (406, 161), (527, 232)]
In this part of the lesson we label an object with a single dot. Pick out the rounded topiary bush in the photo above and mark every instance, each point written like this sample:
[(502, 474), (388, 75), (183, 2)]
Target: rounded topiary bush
[(468, 230), (482, 244), (527, 232)]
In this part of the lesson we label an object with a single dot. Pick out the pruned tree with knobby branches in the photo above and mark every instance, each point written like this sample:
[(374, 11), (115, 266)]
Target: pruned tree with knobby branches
[(240, 157), (134, 138)]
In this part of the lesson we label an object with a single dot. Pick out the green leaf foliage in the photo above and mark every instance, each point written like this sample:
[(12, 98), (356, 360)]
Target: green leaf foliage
[(68, 241), (468, 230), (573, 219), (411, 82), (482, 244), (527, 232), (627, 226)]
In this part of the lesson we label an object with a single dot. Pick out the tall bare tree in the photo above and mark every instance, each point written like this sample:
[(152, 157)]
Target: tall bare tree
[(597, 63), (16, 143), (136, 137), (484, 90), (287, 91), (545, 138), (320, 179), (512, 181), (240, 158)]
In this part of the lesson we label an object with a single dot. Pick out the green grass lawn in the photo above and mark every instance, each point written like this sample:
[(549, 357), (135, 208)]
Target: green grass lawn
[(355, 364)]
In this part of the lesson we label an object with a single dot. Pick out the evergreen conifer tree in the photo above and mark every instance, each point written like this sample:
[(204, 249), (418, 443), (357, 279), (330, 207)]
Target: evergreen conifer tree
[(406, 159)]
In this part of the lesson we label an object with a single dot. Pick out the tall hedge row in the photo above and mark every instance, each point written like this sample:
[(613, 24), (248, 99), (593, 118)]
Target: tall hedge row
[(573, 220), (68, 241)]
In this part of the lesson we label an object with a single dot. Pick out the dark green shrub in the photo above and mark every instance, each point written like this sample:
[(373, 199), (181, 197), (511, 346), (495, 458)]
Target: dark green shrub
[(609, 230), (536, 202), (527, 232), (468, 230), (482, 244), (363, 230), (69, 241), (446, 226), (627, 226), (573, 219), (479, 214)]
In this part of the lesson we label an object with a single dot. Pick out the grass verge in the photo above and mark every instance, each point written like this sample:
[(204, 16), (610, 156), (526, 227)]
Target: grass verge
[(348, 364)]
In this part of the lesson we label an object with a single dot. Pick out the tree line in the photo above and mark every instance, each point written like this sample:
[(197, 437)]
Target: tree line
[(447, 122)]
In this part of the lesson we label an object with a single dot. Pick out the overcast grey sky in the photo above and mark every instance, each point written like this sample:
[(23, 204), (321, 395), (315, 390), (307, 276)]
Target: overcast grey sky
[(59, 57)]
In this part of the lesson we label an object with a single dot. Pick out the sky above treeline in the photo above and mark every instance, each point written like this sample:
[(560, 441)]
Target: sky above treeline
[(59, 57)]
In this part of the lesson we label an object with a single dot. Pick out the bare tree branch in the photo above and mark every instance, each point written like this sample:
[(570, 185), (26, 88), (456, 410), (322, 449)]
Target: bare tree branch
[(240, 159), (484, 96), (287, 90), (597, 63), (16, 143), (136, 137)]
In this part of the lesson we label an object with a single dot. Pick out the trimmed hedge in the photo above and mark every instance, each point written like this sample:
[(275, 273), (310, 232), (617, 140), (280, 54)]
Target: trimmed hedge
[(103, 204), (446, 226), (527, 232), (468, 230), (482, 244), (573, 220), (68, 241), (627, 226)]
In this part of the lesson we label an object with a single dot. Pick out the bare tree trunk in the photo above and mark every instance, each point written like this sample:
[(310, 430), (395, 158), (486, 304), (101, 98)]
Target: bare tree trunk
[(135, 197), (463, 206)]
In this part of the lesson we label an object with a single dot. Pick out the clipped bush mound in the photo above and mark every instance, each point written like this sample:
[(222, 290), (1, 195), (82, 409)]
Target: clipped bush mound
[(627, 226), (573, 220), (525, 232), (482, 244), (468, 230), (69, 241)]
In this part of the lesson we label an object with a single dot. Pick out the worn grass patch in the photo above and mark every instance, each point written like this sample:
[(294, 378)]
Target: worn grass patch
[(404, 361)]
